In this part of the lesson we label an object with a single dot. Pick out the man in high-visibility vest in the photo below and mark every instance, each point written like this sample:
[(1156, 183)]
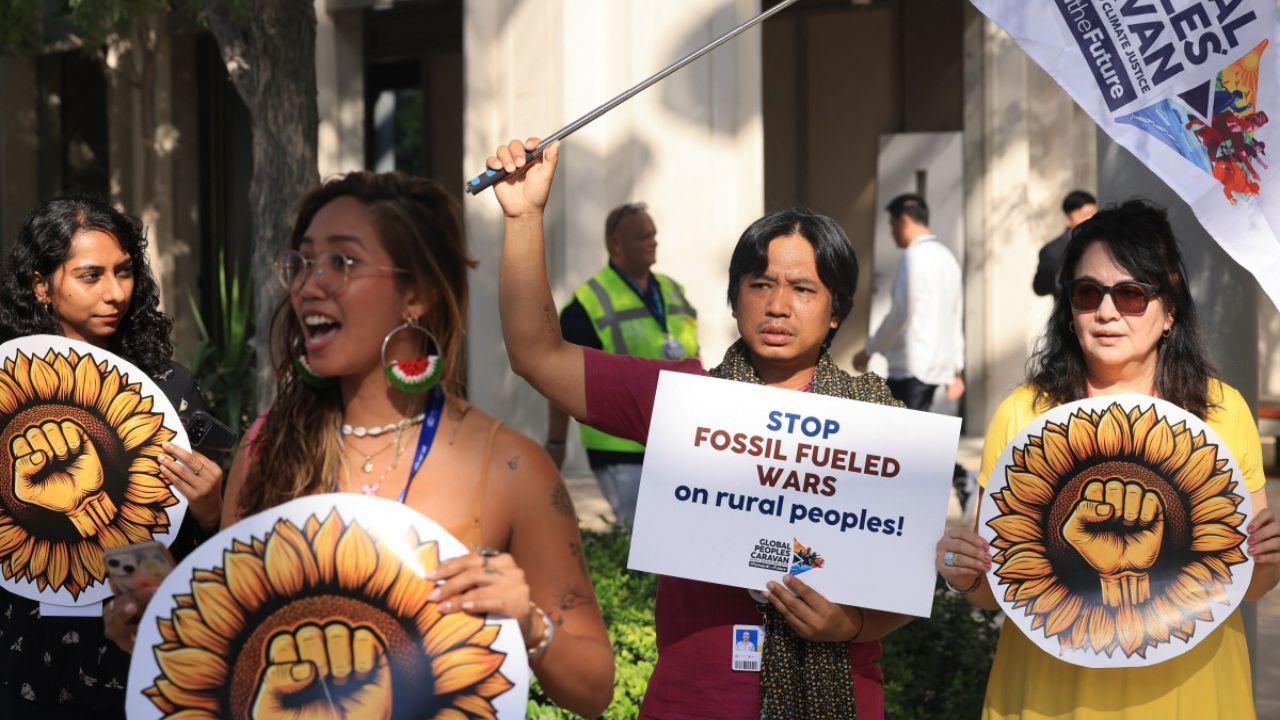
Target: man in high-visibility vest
[(629, 310)]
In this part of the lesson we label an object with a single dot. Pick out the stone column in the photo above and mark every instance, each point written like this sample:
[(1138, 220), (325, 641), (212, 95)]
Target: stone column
[(340, 86), (691, 147)]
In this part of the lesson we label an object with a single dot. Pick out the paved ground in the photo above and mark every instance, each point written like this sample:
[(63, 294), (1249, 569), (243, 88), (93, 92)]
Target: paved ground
[(594, 514)]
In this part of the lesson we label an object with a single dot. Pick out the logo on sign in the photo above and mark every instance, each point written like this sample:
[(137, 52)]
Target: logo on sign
[(804, 558)]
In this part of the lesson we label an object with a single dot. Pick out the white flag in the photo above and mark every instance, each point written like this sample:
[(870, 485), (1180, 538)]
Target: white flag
[(1186, 86)]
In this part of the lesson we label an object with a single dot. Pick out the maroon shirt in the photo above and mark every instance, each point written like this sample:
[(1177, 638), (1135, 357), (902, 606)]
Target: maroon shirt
[(693, 679)]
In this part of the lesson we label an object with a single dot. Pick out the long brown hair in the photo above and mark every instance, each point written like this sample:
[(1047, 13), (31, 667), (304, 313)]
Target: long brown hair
[(296, 451)]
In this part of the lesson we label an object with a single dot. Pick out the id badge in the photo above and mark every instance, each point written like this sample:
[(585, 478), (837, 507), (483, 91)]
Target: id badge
[(672, 349), (748, 647)]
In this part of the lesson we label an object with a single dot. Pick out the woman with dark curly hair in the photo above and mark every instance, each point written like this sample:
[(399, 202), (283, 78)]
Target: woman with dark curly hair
[(1123, 322), (79, 269)]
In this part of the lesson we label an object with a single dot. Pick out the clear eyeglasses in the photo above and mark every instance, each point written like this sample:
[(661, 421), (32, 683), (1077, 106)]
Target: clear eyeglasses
[(331, 270)]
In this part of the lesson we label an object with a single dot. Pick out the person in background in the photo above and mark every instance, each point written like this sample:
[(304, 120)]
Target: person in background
[(1078, 206), (79, 269), (923, 334), (625, 309), (1126, 323)]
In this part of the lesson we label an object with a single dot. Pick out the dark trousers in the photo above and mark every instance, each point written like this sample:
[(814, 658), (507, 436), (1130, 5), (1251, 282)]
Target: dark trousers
[(911, 392)]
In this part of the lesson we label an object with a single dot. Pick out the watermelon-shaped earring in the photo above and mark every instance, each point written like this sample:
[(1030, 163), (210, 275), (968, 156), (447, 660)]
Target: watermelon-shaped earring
[(414, 375), (308, 377)]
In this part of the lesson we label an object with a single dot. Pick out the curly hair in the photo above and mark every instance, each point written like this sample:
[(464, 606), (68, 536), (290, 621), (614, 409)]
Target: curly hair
[(44, 245), (295, 453), (1141, 240)]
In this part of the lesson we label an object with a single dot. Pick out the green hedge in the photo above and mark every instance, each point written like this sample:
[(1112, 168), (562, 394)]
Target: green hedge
[(933, 669)]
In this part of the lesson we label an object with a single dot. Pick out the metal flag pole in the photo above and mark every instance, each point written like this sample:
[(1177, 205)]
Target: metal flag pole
[(490, 177)]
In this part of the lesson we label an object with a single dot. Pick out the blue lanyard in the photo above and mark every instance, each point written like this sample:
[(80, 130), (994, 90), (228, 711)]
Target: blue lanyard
[(658, 307), (430, 424)]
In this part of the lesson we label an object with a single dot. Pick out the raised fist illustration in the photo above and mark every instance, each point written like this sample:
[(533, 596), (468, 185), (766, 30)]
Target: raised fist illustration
[(56, 466), (324, 673), (1118, 527)]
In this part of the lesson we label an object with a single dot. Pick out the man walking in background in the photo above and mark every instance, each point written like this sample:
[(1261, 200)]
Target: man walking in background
[(1078, 206), (626, 309), (923, 335)]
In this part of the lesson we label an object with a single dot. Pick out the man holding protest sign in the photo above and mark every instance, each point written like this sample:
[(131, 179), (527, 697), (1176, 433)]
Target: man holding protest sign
[(791, 284)]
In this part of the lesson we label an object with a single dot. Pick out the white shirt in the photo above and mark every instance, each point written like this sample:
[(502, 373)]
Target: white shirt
[(923, 334)]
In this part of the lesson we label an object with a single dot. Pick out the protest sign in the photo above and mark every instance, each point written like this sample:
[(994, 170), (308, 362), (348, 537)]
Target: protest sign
[(80, 431), (1186, 86), (743, 484), (318, 608), (1117, 528)]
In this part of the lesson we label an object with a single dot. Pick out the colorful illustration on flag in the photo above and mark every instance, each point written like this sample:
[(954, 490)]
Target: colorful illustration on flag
[(1187, 86)]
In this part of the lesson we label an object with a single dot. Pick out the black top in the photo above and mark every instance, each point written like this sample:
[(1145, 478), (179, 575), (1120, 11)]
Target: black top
[(1046, 279), (65, 667)]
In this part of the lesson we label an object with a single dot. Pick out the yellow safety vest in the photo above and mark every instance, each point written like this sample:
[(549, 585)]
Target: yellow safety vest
[(626, 327)]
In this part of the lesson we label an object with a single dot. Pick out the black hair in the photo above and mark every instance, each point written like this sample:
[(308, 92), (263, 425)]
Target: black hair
[(1077, 199), (833, 254), (44, 245), (911, 205), (1141, 240)]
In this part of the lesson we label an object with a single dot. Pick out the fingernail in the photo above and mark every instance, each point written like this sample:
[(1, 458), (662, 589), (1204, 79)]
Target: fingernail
[(432, 576), (167, 446), (434, 596), (772, 585), (468, 605), (444, 607)]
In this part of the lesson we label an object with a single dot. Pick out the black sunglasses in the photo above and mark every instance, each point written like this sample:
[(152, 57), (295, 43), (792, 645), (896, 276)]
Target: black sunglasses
[(1131, 297)]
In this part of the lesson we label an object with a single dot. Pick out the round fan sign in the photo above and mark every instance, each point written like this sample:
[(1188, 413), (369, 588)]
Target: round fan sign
[(318, 608), (80, 431), (1117, 527)]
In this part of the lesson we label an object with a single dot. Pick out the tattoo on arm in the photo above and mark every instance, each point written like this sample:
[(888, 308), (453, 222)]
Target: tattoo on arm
[(573, 598), (550, 311), (561, 501), (513, 462)]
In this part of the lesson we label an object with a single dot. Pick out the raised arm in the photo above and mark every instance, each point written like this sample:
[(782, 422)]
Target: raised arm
[(536, 347)]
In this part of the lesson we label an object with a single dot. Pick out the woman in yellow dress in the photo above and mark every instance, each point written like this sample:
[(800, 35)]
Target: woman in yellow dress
[(1123, 322)]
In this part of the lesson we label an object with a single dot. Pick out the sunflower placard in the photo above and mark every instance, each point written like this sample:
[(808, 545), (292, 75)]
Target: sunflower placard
[(80, 431), (1117, 527), (318, 609)]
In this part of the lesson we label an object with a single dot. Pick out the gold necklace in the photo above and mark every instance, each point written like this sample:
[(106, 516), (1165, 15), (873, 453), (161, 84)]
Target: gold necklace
[(367, 465), (373, 488)]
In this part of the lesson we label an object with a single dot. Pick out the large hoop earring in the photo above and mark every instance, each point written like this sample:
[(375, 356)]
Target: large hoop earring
[(414, 375)]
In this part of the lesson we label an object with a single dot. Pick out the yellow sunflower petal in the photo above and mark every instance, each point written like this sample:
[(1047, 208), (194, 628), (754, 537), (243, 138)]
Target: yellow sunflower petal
[(21, 372), (426, 618), (475, 705), (39, 557), (88, 383), (11, 397), (59, 564), (167, 633), (463, 667), (109, 390), (1016, 528), (192, 630), (1219, 569), (1057, 451), (493, 686), (44, 379), (10, 537), (1142, 425), (192, 668), (66, 377), (90, 556), (137, 514), (1217, 484), (136, 533), (1232, 557), (1050, 599), (1019, 458), (289, 533), (1215, 508), (1063, 616), (79, 573), (188, 699), (386, 572), (1027, 565), (356, 558), (143, 490), (1037, 463), (1154, 622), (450, 714), (121, 407), (487, 636), (408, 594), (217, 607), (1181, 450), (283, 566), (324, 538), (1214, 537), (1114, 434), (1034, 588), (428, 555), (1159, 443), (145, 466), (246, 578), (451, 631), (138, 429), (1082, 436), (159, 701), (1130, 629), (1102, 628), (1196, 471)]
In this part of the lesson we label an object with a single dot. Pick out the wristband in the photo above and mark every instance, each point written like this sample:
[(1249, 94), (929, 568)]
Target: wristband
[(965, 591), (548, 632)]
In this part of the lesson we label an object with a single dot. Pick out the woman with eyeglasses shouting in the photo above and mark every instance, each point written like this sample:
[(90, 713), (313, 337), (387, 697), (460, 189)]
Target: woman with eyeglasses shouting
[(367, 347), (1123, 322), (79, 269)]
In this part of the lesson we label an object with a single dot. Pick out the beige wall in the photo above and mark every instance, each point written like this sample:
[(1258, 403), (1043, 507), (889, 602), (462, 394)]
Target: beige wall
[(1026, 145), (340, 86), (691, 147)]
